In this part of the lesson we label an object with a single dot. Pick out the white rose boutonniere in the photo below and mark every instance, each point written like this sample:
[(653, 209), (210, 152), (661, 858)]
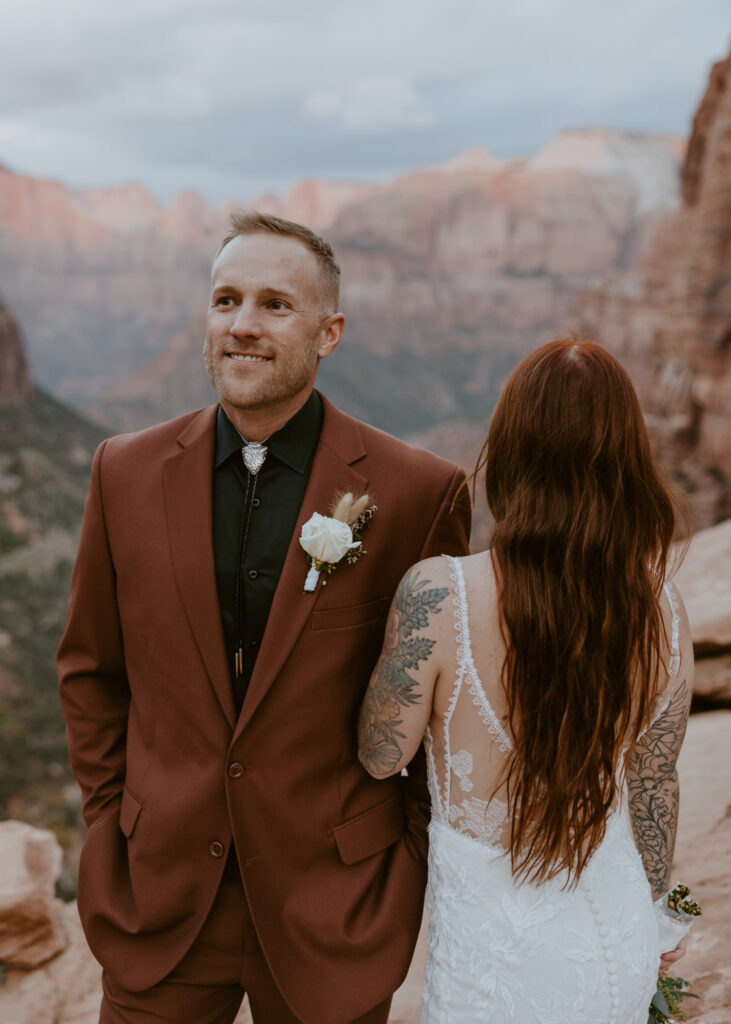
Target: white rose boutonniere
[(329, 539)]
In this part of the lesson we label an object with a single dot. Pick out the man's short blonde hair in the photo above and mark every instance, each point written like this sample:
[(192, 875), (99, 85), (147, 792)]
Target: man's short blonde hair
[(251, 222)]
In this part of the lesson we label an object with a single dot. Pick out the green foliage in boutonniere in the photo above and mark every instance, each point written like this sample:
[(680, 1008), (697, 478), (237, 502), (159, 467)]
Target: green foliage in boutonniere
[(357, 529)]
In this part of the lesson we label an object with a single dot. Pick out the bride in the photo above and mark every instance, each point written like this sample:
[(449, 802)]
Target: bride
[(552, 697)]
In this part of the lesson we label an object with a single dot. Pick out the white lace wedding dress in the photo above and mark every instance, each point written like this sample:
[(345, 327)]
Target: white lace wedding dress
[(527, 954)]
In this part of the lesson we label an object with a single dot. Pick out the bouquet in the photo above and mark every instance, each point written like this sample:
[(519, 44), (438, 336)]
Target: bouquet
[(676, 913)]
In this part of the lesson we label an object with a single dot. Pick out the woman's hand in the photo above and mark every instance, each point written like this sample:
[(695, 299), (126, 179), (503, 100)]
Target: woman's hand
[(673, 955)]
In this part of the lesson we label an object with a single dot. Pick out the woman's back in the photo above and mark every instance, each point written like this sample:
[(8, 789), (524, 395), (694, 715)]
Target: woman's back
[(469, 729), (501, 951)]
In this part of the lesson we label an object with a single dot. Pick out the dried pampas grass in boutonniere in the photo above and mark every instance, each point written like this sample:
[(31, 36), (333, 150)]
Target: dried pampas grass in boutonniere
[(328, 539)]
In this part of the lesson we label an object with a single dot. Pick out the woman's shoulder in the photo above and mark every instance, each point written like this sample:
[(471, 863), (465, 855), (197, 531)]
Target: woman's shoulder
[(447, 570)]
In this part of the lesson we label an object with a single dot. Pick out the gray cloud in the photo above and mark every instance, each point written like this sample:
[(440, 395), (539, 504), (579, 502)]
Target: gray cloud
[(232, 97)]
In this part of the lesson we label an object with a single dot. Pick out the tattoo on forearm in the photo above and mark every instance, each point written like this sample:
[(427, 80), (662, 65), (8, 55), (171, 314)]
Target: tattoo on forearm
[(652, 785), (391, 687)]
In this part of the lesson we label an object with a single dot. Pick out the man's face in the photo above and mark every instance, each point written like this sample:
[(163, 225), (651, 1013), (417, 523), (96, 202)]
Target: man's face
[(267, 325)]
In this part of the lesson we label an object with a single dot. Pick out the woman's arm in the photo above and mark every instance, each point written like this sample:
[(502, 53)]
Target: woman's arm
[(652, 777), (398, 702)]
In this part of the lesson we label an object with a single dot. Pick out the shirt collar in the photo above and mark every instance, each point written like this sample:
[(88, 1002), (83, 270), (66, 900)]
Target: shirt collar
[(293, 444)]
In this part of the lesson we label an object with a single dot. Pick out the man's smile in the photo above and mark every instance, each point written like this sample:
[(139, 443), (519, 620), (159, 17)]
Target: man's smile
[(242, 358)]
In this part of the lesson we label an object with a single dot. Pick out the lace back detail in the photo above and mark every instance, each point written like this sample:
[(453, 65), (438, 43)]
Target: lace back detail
[(465, 663), (460, 785)]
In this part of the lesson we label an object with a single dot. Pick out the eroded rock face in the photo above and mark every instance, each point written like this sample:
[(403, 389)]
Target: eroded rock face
[(704, 580), (15, 385), (670, 319), (31, 932)]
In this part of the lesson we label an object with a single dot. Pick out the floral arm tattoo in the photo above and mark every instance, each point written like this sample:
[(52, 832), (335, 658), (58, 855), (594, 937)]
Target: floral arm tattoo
[(653, 788), (391, 688)]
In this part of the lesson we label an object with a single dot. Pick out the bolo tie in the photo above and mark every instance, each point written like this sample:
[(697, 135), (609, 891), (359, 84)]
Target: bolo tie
[(253, 454)]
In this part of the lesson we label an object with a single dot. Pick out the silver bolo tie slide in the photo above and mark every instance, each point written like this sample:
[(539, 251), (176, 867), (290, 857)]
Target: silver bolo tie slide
[(254, 453)]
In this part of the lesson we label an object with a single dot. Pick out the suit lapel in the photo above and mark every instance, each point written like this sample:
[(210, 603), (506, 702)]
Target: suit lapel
[(340, 445), (188, 489)]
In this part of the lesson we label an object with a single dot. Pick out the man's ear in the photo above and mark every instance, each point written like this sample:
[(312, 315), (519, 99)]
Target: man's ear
[(332, 333)]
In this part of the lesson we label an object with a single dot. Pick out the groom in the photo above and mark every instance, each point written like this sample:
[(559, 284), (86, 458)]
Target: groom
[(235, 844)]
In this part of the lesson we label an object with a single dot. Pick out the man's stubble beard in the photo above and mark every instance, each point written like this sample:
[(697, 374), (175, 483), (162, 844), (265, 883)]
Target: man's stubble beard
[(267, 393)]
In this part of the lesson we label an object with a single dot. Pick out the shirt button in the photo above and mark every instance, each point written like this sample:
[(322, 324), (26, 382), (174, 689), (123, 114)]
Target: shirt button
[(253, 574), (236, 770), (256, 503), (216, 849)]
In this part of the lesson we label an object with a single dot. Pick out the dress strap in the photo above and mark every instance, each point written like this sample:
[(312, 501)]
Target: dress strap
[(466, 665), (663, 699), (674, 663)]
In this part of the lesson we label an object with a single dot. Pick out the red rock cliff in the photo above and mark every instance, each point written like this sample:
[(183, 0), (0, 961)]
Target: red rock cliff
[(15, 385), (671, 320)]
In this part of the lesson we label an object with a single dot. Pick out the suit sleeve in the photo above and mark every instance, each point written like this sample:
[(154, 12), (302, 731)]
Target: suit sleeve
[(449, 534), (91, 668)]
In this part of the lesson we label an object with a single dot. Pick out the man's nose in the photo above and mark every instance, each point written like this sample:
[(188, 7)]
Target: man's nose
[(246, 323)]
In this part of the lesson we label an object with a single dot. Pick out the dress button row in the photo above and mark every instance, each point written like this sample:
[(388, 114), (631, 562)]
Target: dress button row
[(216, 849), (236, 770)]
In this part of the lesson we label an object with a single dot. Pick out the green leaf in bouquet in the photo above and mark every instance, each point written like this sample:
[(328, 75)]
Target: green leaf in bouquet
[(666, 1005), (659, 1009)]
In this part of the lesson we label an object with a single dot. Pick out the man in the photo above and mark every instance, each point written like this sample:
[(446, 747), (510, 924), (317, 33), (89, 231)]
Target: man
[(235, 843)]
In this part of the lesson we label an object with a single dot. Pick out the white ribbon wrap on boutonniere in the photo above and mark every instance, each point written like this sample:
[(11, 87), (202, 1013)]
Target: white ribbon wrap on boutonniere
[(328, 539)]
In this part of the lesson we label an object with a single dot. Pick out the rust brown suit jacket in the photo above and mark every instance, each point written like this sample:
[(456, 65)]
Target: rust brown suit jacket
[(333, 862)]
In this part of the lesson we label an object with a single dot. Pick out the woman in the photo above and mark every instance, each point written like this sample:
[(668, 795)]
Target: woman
[(564, 674)]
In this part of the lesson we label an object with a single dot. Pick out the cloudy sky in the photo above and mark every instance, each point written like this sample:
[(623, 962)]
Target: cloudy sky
[(235, 97)]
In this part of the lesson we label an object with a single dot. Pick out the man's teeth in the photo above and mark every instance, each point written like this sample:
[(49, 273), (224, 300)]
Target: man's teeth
[(248, 359)]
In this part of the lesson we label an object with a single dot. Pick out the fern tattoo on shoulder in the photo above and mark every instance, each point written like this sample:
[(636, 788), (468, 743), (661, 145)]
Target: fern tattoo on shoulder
[(391, 687)]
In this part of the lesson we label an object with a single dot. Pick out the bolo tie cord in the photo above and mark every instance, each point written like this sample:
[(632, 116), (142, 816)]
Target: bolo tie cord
[(240, 593)]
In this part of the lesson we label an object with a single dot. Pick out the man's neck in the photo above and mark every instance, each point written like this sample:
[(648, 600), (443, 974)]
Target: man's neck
[(259, 424)]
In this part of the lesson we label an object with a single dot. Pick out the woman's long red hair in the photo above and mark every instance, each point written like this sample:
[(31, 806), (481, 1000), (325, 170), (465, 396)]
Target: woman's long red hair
[(583, 526)]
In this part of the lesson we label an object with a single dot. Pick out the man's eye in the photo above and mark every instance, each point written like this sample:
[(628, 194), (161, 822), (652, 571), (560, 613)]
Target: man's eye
[(277, 305), (224, 300)]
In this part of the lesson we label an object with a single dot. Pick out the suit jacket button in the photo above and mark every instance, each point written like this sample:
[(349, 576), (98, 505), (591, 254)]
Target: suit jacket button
[(235, 770), (216, 849)]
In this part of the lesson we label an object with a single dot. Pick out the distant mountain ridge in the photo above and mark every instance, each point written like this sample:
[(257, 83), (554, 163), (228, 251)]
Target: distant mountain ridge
[(450, 273)]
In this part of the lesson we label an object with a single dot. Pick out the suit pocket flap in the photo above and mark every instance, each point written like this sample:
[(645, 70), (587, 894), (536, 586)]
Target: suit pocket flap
[(371, 831), (129, 812), (352, 615)]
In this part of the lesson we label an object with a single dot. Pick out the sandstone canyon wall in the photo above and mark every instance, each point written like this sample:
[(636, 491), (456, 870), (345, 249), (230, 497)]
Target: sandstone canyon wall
[(670, 319), (15, 384)]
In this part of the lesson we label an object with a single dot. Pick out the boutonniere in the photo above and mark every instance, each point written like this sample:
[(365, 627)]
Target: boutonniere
[(329, 539)]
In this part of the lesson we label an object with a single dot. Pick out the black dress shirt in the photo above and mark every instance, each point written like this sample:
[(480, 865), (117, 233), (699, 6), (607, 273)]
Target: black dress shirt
[(280, 488)]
